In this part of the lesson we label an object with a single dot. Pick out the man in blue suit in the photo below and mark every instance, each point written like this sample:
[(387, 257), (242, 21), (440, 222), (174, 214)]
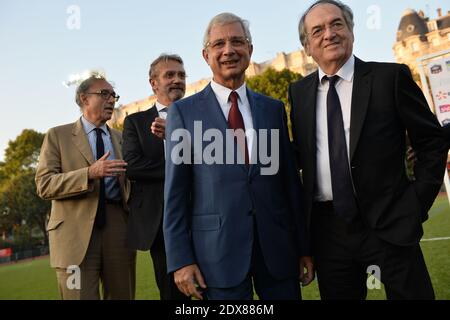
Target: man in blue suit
[(233, 215)]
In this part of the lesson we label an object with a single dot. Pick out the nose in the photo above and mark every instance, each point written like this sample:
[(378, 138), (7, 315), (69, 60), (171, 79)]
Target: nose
[(111, 100), (228, 49), (178, 79), (329, 33)]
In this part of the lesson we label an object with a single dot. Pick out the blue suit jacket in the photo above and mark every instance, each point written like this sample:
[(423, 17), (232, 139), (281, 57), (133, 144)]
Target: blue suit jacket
[(210, 209)]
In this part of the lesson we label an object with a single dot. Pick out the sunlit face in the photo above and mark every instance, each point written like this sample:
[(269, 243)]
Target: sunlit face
[(329, 40), (228, 54), (97, 109), (169, 84)]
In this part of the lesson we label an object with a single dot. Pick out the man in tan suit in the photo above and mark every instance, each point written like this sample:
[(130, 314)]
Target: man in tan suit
[(81, 171)]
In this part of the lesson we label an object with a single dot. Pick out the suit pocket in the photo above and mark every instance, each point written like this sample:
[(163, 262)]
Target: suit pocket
[(54, 224), (206, 222)]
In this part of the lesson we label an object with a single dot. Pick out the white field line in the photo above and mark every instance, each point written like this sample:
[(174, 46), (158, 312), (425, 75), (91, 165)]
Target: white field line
[(435, 239)]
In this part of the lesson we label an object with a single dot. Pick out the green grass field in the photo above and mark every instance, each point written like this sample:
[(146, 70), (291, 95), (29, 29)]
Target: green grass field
[(36, 280)]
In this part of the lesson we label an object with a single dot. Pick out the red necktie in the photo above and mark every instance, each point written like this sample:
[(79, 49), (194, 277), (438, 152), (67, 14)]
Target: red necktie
[(235, 121)]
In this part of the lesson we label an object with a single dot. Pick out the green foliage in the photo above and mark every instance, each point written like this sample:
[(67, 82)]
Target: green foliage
[(22, 154), (275, 84), (21, 210), (117, 126)]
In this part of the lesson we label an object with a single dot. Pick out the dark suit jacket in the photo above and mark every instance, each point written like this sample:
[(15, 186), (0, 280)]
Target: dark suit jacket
[(144, 153), (386, 103), (446, 129), (210, 209)]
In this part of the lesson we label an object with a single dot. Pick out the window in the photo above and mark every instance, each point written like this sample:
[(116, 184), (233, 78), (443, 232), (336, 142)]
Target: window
[(432, 25), (435, 42), (414, 46), (410, 28)]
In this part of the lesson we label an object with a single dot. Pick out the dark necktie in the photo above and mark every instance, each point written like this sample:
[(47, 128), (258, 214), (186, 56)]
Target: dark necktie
[(163, 112), (235, 121), (344, 201), (100, 217)]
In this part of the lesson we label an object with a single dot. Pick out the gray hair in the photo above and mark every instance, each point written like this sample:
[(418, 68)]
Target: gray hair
[(164, 57), (84, 87), (223, 19), (346, 12)]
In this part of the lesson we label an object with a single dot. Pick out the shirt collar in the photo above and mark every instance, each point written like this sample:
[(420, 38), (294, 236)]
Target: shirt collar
[(88, 126), (223, 93), (159, 106), (346, 72)]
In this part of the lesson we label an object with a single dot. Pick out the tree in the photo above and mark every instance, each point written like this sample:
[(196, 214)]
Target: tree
[(22, 154), (275, 84), (23, 206), (19, 203)]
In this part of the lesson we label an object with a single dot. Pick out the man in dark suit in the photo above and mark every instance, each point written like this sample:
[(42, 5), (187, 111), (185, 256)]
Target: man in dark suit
[(349, 122), (143, 147), (229, 219)]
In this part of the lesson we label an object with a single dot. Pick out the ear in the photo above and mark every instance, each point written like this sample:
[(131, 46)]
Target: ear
[(153, 83), (251, 50), (306, 47), (84, 99), (205, 55)]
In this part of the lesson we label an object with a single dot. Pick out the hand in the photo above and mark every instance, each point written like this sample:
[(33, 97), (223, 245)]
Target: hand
[(306, 263), (106, 168), (189, 280), (159, 128)]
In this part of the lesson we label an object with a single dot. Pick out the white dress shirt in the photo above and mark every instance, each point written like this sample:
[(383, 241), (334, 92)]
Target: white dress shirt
[(159, 107), (112, 187), (344, 88), (222, 94)]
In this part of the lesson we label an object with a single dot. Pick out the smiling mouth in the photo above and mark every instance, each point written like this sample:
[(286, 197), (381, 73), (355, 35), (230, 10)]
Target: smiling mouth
[(230, 63), (334, 44)]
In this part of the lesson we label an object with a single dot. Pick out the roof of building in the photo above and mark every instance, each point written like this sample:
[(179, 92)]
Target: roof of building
[(411, 24), (443, 22)]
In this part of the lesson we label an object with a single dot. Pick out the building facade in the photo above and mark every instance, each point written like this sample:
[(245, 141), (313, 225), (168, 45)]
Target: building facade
[(418, 36)]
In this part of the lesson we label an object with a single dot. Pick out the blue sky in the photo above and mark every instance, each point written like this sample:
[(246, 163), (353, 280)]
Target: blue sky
[(38, 50)]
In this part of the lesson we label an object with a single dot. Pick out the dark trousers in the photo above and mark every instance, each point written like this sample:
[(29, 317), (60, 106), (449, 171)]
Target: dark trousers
[(343, 253), (266, 286), (166, 285)]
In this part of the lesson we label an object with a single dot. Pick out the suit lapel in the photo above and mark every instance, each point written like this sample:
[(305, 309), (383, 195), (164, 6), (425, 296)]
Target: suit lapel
[(213, 112), (257, 118), (117, 143), (116, 140), (309, 112), (80, 140), (360, 101), (211, 108), (152, 114)]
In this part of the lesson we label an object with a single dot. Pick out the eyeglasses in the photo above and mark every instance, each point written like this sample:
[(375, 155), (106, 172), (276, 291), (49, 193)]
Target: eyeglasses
[(318, 32), (236, 42), (106, 94)]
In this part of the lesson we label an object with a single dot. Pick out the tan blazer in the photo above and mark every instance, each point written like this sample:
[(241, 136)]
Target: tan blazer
[(62, 176)]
